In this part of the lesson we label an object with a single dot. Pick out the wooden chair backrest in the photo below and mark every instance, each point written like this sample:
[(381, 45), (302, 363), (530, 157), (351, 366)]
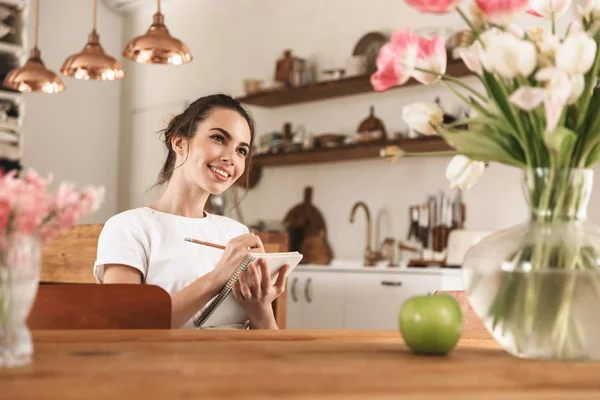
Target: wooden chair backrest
[(93, 306), (276, 242), (471, 321), (70, 258)]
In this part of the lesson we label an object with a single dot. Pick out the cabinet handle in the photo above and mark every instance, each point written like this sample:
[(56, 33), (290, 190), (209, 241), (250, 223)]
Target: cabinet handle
[(293, 291), (391, 283), (307, 290)]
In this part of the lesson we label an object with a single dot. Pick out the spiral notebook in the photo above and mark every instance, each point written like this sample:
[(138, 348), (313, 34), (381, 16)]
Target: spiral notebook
[(224, 309)]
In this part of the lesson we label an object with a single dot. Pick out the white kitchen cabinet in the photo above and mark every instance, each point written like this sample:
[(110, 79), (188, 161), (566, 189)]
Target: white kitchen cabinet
[(315, 300), (373, 300), (346, 298)]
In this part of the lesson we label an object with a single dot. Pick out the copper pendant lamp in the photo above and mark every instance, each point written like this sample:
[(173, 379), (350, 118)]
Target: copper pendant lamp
[(157, 46), (92, 62), (34, 76)]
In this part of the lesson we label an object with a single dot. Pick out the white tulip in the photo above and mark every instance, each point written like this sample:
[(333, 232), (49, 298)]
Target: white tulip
[(471, 56), (576, 54), (509, 56), (550, 8), (527, 98), (516, 31), (549, 44), (462, 172), (577, 86), (486, 37), (423, 117)]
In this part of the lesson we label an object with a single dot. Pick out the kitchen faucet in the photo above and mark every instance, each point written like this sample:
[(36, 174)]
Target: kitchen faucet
[(370, 257), (387, 247)]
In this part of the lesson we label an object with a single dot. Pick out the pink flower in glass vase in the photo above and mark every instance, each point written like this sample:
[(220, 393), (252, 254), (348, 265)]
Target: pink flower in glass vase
[(32, 178), (5, 209), (395, 61), (501, 11), (432, 57), (91, 199), (67, 205), (30, 202), (434, 6)]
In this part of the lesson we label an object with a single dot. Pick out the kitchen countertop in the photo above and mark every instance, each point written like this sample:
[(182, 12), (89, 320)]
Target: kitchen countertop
[(259, 364), (356, 266)]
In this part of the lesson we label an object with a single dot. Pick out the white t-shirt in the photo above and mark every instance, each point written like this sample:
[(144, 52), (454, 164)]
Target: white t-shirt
[(152, 242)]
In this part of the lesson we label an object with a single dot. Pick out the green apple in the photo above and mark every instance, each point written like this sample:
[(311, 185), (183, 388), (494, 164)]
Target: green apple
[(431, 324)]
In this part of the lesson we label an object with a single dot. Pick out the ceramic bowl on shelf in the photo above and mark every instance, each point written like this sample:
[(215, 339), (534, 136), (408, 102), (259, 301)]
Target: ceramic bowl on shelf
[(271, 85), (252, 85)]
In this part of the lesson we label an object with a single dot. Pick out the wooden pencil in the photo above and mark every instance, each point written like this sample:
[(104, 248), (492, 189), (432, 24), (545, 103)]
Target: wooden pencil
[(216, 246)]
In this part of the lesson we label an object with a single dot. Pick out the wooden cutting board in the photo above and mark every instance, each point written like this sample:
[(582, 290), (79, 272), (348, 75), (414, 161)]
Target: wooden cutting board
[(307, 231)]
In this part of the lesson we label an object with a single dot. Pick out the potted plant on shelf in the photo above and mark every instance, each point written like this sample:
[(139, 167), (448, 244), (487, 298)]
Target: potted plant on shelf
[(535, 286)]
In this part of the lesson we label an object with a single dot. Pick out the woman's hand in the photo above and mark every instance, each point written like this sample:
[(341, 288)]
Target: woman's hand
[(234, 253), (255, 292)]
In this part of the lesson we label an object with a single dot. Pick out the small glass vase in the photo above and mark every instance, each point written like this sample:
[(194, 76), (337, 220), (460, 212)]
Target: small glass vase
[(19, 276), (536, 286)]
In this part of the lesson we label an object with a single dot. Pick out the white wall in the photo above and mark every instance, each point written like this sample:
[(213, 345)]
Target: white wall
[(74, 134), (237, 39)]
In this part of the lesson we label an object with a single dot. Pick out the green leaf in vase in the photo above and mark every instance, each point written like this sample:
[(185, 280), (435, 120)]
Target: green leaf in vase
[(484, 144), (561, 142), (594, 156)]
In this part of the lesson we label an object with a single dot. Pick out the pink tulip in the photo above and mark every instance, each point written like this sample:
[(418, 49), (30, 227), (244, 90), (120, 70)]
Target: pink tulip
[(501, 11), (548, 8), (434, 6), (386, 75), (431, 56), (396, 61)]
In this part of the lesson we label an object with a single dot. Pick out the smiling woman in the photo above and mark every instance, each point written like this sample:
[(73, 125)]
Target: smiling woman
[(209, 147)]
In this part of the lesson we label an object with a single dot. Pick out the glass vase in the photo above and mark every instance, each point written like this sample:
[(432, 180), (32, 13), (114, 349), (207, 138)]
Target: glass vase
[(19, 276), (536, 286)]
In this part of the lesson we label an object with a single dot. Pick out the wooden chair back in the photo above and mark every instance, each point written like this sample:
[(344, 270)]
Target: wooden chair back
[(93, 306), (471, 321), (276, 242), (70, 258)]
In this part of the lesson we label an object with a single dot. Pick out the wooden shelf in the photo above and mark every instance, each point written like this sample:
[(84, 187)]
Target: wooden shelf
[(10, 95), (350, 152), (331, 89), (18, 4)]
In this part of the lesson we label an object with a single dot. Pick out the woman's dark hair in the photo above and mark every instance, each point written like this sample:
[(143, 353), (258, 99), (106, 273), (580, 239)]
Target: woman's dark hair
[(186, 125)]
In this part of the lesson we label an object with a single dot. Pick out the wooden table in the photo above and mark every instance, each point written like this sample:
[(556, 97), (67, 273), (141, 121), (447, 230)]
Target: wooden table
[(345, 365)]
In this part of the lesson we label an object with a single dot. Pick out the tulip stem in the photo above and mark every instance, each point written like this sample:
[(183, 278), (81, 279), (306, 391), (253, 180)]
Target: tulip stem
[(468, 22), (454, 80), (456, 92), (464, 86)]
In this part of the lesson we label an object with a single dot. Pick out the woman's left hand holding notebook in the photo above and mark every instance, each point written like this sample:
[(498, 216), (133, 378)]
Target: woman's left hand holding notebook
[(234, 253), (255, 292)]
